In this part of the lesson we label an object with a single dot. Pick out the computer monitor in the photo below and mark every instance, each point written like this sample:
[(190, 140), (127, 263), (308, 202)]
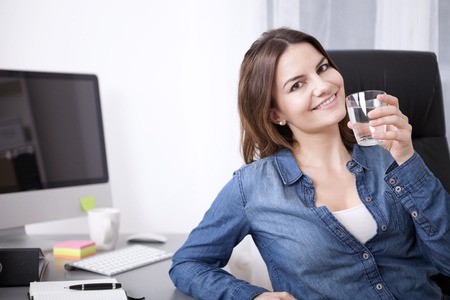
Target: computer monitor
[(52, 148)]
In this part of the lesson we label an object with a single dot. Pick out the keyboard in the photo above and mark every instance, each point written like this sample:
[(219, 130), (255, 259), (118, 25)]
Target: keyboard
[(120, 260)]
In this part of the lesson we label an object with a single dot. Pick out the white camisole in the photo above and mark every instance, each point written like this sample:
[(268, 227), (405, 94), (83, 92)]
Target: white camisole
[(358, 221)]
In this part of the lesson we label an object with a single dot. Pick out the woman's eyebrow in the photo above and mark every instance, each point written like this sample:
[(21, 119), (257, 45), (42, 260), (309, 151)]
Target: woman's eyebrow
[(300, 76), (292, 79), (321, 61)]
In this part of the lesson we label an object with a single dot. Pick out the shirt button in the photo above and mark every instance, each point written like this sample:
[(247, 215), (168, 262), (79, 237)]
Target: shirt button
[(379, 286), (384, 227), (359, 170), (398, 189), (392, 181), (366, 255), (368, 199), (351, 164), (414, 213)]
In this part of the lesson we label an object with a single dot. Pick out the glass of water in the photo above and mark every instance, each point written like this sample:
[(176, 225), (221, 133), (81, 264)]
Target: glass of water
[(359, 105)]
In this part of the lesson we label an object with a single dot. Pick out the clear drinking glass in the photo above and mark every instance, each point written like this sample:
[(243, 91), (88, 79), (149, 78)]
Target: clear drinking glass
[(359, 105)]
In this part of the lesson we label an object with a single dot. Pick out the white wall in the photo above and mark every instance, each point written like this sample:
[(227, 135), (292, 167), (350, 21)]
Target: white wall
[(168, 75)]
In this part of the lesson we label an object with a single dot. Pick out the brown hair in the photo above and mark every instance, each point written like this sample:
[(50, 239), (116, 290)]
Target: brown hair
[(259, 136)]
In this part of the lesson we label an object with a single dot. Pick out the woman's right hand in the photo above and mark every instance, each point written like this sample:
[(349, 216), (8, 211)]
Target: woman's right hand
[(274, 296)]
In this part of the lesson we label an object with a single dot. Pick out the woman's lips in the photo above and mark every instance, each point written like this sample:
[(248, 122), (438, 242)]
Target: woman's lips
[(325, 103)]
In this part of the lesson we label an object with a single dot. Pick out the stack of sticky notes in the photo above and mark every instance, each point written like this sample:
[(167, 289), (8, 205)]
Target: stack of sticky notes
[(76, 249)]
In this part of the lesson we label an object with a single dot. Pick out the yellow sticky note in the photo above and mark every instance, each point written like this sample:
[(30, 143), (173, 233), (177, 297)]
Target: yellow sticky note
[(87, 203)]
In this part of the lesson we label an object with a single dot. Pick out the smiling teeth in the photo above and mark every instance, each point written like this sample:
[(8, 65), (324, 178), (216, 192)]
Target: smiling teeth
[(325, 103)]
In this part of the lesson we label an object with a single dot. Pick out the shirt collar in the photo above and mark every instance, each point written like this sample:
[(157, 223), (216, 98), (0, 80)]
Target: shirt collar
[(290, 172), (359, 155), (287, 166)]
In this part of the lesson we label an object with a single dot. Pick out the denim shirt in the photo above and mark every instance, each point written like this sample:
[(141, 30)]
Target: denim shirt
[(310, 254)]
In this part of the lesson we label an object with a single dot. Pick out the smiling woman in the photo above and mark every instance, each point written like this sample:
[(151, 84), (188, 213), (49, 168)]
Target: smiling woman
[(258, 110), (322, 210), (301, 99)]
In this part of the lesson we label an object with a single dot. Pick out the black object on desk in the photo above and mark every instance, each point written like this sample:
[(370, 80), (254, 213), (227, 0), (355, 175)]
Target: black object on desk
[(20, 266), (95, 286)]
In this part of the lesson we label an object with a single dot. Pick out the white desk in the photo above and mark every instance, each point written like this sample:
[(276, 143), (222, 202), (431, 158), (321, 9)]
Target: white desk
[(151, 282)]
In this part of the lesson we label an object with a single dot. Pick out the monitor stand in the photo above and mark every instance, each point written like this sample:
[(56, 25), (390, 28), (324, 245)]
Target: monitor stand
[(18, 238)]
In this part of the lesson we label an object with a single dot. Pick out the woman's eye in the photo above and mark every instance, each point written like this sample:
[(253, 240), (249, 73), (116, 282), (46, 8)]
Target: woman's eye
[(323, 68), (296, 86)]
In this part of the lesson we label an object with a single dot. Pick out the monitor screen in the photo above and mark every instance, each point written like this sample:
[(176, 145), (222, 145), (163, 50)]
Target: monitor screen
[(52, 146)]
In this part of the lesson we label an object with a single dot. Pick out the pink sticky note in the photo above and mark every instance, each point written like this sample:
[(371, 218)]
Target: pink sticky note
[(75, 244)]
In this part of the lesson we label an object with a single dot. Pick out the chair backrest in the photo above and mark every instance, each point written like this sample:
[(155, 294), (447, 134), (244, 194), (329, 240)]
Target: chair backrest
[(413, 77)]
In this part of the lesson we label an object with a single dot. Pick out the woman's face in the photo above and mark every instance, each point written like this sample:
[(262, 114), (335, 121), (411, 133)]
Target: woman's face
[(308, 92)]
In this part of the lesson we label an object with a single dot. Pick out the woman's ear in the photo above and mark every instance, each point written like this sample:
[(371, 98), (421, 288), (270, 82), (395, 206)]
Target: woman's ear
[(275, 118)]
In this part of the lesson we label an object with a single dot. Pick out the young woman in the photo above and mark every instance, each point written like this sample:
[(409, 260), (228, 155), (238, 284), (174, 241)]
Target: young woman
[(331, 219)]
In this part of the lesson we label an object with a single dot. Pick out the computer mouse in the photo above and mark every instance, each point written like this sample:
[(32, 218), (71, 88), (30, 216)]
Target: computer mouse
[(146, 237)]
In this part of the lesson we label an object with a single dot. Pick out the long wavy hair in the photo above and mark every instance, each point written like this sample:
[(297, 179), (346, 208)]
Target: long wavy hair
[(260, 137)]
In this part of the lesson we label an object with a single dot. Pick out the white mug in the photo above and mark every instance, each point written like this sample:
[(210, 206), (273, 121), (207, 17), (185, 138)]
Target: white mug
[(104, 227)]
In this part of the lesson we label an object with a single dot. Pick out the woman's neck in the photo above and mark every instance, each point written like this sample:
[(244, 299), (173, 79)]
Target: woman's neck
[(315, 151)]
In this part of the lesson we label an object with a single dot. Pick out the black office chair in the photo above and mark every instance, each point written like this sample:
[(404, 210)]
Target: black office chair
[(413, 77)]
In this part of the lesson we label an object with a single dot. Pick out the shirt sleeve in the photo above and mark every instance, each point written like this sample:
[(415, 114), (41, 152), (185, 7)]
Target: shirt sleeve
[(428, 204), (197, 267)]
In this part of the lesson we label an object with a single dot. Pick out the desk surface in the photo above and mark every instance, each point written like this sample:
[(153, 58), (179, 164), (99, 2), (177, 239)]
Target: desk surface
[(151, 282)]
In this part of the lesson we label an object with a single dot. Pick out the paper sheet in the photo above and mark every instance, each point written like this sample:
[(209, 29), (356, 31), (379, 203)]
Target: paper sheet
[(55, 290)]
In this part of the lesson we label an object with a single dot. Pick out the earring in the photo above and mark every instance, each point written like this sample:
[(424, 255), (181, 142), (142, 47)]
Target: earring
[(282, 123)]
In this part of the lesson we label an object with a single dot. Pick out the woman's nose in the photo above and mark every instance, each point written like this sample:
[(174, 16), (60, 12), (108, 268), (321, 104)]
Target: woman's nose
[(320, 86)]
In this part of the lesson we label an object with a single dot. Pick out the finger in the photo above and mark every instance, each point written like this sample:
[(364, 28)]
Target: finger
[(395, 133), (388, 99), (275, 296), (349, 125), (392, 135), (399, 121), (381, 113)]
